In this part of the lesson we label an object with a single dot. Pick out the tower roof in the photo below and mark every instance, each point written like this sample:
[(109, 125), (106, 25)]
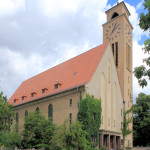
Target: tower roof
[(67, 75), (118, 4)]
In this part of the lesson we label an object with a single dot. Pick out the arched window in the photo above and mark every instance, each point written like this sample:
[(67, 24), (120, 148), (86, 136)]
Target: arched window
[(17, 121), (37, 109), (114, 15), (50, 112), (26, 113)]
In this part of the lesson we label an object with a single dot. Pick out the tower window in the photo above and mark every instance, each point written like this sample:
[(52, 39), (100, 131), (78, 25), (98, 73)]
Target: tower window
[(128, 57), (116, 54), (113, 48), (50, 112), (114, 15)]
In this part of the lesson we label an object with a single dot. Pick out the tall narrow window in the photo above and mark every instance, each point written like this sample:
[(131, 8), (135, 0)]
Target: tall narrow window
[(116, 54), (26, 113), (128, 63), (37, 109), (50, 112), (113, 48), (129, 57), (17, 121), (70, 115), (70, 102)]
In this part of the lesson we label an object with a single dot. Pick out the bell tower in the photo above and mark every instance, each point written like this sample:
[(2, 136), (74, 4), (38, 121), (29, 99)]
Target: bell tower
[(118, 31)]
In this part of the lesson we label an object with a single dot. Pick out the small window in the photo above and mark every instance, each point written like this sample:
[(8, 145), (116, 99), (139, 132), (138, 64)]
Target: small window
[(43, 91), (114, 15), (75, 73), (32, 94), (70, 115), (26, 113), (23, 98), (56, 86), (70, 102), (15, 101), (37, 109)]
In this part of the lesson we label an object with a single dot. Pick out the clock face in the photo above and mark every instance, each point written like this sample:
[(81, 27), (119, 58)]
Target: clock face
[(128, 33), (112, 31)]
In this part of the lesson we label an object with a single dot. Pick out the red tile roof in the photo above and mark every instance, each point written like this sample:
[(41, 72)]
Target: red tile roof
[(69, 74)]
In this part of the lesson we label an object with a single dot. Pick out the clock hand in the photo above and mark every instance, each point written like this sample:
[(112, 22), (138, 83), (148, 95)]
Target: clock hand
[(115, 28)]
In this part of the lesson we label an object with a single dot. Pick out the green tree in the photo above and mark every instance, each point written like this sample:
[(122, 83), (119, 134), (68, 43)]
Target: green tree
[(141, 72), (6, 114), (141, 120), (69, 137), (90, 115), (37, 132), (10, 139), (126, 121)]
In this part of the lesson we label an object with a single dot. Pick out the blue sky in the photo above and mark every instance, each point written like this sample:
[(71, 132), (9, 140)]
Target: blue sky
[(39, 34)]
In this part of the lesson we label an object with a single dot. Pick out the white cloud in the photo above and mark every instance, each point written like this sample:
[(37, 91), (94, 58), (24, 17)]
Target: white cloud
[(9, 7), (140, 5), (138, 56), (38, 34)]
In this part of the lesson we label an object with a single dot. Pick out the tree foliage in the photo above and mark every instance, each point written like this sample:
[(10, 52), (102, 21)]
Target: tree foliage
[(90, 115), (126, 121), (68, 137), (10, 139), (37, 132), (141, 120), (141, 72), (6, 114)]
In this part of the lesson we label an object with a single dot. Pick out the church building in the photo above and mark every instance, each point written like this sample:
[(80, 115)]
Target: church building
[(104, 72)]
